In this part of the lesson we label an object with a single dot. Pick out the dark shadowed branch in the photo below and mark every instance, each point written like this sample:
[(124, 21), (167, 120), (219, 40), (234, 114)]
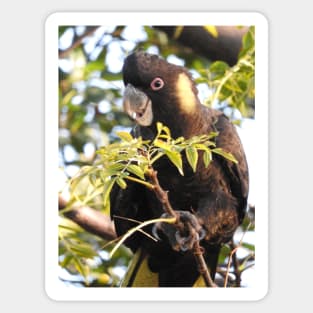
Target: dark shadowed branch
[(77, 41), (89, 219), (225, 46)]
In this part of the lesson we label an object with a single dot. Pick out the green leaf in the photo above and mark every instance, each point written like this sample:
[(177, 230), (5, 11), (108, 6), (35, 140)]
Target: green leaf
[(201, 80), (92, 192), (93, 179), (219, 67), (163, 129), (192, 157), (111, 76), (163, 145), (108, 188), (80, 267), (224, 253), (159, 127), (83, 249), (114, 169), (248, 39), (176, 159), (84, 172), (125, 136), (207, 157), (226, 155), (203, 147), (66, 261), (136, 170), (179, 140), (248, 246), (121, 182), (94, 66)]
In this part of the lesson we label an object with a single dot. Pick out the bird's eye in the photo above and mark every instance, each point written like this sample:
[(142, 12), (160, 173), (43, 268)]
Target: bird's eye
[(157, 83)]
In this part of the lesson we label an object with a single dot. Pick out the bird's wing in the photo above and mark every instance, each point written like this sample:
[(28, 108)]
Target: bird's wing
[(237, 173)]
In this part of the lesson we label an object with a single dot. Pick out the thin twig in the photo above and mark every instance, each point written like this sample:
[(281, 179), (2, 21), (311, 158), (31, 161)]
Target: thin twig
[(233, 257), (236, 264), (198, 251), (134, 229), (228, 265), (202, 267), (137, 222), (161, 194)]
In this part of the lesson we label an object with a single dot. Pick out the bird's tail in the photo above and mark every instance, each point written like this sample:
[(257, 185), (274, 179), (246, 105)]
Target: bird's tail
[(139, 273)]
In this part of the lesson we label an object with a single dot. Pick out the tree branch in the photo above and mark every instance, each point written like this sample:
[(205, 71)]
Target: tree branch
[(225, 47), (77, 41), (161, 194), (91, 220), (198, 251)]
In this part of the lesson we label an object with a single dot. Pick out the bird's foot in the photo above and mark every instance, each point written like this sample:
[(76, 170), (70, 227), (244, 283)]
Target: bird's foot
[(183, 234)]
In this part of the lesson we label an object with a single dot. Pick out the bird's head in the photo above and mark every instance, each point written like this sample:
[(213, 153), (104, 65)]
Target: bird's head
[(157, 90)]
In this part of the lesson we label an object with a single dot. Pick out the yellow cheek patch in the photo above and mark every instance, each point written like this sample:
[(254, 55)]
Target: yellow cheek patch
[(187, 99)]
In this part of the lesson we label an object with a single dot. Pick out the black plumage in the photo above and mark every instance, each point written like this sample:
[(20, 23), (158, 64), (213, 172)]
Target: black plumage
[(216, 196)]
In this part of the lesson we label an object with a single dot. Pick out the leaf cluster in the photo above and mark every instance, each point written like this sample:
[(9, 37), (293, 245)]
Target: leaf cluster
[(131, 158), (80, 254), (126, 160), (234, 86)]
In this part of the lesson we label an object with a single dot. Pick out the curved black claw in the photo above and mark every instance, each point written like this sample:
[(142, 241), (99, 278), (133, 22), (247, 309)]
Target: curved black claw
[(183, 234)]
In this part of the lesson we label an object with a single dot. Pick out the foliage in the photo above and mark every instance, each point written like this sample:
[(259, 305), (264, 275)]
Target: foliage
[(94, 139), (131, 158), (233, 85)]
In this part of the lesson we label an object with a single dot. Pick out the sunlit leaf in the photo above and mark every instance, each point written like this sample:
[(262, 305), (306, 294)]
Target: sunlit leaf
[(163, 145), (93, 180), (108, 188), (121, 182), (248, 41), (207, 157), (176, 159), (162, 128), (201, 146), (225, 154), (192, 157), (125, 136), (81, 268), (179, 140), (84, 172), (83, 249), (66, 261), (135, 169), (114, 169)]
